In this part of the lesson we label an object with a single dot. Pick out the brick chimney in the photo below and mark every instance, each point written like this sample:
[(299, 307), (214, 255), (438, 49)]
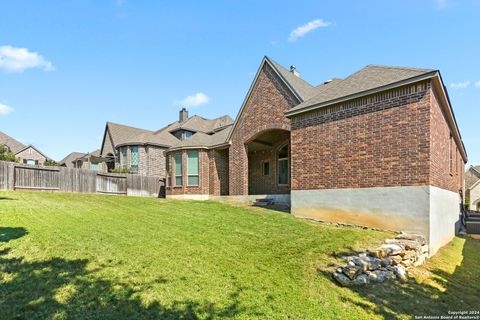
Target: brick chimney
[(183, 115)]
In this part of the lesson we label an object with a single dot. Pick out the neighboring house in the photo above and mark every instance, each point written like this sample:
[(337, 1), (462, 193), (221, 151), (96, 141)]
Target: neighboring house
[(143, 151), (380, 148), (472, 187), (26, 154), (68, 161), (91, 161)]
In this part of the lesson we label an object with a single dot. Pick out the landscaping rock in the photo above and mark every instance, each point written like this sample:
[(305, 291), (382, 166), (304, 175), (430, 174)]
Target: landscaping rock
[(396, 259), (362, 279), (400, 273), (351, 272), (342, 279), (381, 276), (414, 237), (391, 249), (387, 262)]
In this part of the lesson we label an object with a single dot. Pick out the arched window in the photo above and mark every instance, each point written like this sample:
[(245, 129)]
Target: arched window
[(283, 166)]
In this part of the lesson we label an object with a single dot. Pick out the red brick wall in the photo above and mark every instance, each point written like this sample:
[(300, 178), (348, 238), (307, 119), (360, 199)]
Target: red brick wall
[(204, 174), (447, 166), (264, 110), (218, 172), (380, 140)]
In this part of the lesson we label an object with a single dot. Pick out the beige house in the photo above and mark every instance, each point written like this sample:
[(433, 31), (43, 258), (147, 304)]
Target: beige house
[(472, 187), (25, 154), (91, 161)]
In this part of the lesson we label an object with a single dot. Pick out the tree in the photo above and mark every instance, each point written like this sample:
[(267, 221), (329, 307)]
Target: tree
[(50, 162), (7, 155)]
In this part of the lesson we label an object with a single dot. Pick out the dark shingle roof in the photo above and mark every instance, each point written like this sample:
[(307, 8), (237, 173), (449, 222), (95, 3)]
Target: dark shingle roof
[(301, 87), (125, 135), (68, 160), (122, 134), (14, 145), (201, 139), (369, 78)]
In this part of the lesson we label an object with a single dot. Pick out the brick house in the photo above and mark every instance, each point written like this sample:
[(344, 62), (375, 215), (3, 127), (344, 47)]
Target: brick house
[(143, 151), (380, 148), (25, 154), (91, 161), (472, 187)]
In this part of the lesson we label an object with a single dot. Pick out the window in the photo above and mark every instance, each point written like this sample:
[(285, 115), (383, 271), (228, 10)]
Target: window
[(134, 159), (266, 168), (29, 161), (178, 169), (192, 167), (169, 171), (283, 166), (94, 166), (123, 157), (187, 134)]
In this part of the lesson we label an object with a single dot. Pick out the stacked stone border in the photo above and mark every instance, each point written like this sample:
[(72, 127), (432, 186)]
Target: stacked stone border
[(390, 261)]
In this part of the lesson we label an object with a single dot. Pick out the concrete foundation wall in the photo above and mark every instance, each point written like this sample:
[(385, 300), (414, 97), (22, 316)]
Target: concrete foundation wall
[(430, 211), (444, 217)]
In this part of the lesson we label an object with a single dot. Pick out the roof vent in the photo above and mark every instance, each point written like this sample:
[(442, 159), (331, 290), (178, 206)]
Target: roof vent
[(293, 70), (328, 81)]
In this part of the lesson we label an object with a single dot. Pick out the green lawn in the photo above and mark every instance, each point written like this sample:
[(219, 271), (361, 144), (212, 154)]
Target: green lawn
[(71, 256)]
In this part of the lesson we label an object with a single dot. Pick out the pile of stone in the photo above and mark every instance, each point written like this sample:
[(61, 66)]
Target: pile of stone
[(389, 261)]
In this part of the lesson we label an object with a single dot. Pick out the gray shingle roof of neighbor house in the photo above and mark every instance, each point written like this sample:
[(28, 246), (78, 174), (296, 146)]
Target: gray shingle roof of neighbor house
[(207, 132), (204, 140), (68, 160), (14, 145), (122, 134), (200, 124)]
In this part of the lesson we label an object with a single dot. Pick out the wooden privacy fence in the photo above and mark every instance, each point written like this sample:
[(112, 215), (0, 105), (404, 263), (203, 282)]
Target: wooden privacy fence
[(14, 176)]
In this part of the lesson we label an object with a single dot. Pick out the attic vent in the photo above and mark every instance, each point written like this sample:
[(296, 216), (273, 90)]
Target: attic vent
[(293, 70)]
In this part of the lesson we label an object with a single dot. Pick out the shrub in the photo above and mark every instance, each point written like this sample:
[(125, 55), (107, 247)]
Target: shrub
[(50, 162)]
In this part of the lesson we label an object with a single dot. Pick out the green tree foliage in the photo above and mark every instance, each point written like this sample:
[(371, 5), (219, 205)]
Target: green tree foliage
[(7, 155), (50, 162)]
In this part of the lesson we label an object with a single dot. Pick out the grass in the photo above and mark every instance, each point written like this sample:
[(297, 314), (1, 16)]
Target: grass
[(77, 256)]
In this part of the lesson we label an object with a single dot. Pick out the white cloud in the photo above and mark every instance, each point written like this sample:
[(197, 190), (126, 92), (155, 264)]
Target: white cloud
[(4, 109), (477, 84), (197, 99), (460, 85), (19, 59), (306, 28)]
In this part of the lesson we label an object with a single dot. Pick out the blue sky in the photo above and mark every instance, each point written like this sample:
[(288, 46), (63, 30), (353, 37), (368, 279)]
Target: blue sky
[(67, 67)]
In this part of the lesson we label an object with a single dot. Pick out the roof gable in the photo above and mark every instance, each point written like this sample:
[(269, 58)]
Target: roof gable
[(298, 87), (14, 145)]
